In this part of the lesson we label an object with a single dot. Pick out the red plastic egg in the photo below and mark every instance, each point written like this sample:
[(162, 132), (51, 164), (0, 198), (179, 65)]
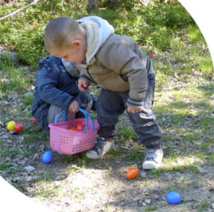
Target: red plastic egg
[(34, 121), (80, 126), (19, 127)]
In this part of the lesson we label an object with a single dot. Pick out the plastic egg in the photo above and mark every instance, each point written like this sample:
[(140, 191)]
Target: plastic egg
[(173, 198), (11, 125), (132, 173), (47, 157), (34, 121), (19, 127)]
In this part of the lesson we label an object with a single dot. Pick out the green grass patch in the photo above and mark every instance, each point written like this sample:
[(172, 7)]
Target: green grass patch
[(204, 205), (194, 35), (125, 134), (150, 208), (17, 79), (136, 156)]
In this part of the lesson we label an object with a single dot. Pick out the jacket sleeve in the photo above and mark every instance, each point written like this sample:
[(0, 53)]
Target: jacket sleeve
[(122, 58), (84, 75), (48, 91)]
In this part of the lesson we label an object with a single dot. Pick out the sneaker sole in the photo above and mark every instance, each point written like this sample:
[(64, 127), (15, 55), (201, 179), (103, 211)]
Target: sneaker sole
[(93, 155), (150, 166)]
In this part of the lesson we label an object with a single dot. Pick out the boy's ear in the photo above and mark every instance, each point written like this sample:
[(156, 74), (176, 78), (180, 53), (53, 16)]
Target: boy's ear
[(77, 43)]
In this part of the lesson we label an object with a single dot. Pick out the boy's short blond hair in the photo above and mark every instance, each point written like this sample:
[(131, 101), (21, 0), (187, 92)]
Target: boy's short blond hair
[(60, 32)]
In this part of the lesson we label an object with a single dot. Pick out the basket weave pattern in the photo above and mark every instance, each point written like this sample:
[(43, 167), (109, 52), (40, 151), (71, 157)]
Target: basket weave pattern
[(70, 142)]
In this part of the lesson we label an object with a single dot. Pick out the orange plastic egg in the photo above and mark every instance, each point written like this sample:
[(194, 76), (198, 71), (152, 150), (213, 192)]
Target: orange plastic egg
[(73, 128), (132, 173)]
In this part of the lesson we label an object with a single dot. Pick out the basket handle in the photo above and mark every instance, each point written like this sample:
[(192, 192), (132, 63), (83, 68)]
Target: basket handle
[(65, 116), (86, 116)]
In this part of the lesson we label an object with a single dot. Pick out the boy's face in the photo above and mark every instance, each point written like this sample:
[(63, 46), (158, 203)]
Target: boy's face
[(74, 53)]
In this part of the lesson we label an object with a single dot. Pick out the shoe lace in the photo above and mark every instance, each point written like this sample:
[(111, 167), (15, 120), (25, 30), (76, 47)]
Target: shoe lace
[(151, 153), (100, 143)]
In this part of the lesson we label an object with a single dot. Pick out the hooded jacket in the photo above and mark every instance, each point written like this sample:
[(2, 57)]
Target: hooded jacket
[(54, 86), (115, 62)]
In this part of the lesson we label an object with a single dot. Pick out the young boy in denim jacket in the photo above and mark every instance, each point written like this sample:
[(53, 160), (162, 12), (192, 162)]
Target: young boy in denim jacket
[(124, 72), (56, 90)]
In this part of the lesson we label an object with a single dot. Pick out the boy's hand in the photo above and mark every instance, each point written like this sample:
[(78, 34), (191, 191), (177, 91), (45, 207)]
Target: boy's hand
[(133, 109), (83, 85), (74, 107)]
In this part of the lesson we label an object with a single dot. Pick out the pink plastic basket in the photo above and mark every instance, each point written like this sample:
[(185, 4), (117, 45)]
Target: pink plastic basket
[(71, 142)]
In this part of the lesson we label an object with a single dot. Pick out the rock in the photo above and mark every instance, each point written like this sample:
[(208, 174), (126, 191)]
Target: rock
[(147, 201), (201, 170), (20, 139), (9, 141), (60, 177), (7, 159), (21, 162), (36, 156), (143, 174), (8, 57), (28, 178), (29, 168), (16, 179), (1, 124)]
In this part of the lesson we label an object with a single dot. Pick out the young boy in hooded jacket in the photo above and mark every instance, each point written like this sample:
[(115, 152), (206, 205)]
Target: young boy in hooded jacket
[(56, 91), (124, 72)]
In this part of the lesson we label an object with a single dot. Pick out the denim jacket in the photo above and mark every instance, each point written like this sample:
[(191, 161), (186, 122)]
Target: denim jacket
[(54, 86)]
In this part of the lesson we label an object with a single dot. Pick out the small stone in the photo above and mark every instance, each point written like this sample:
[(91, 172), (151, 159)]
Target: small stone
[(21, 162), (201, 170), (146, 194), (36, 156), (28, 178), (7, 159), (156, 196), (67, 204), (143, 174), (20, 139), (16, 179), (147, 201), (9, 141), (29, 168), (60, 177)]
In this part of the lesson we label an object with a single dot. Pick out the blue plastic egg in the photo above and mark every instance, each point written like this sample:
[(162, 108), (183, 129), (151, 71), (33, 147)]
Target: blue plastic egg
[(47, 157), (173, 198)]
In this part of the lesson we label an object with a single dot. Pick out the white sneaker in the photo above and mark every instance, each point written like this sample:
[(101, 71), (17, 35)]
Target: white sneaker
[(101, 147), (153, 158)]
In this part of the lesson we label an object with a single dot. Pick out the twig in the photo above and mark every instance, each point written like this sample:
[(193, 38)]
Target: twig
[(13, 13)]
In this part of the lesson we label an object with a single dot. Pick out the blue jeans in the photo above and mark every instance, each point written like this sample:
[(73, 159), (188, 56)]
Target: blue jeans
[(111, 104)]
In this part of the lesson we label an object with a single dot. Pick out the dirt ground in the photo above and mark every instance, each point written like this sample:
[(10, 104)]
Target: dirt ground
[(102, 186), (72, 184)]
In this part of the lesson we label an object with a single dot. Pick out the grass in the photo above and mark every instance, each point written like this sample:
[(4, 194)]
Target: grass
[(183, 105), (150, 208)]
